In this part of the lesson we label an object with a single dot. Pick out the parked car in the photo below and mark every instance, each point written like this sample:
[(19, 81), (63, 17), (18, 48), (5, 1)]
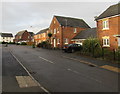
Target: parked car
[(72, 48)]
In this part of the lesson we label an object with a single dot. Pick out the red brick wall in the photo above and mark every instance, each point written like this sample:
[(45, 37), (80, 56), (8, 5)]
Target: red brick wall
[(64, 32), (114, 29), (24, 37), (40, 37)]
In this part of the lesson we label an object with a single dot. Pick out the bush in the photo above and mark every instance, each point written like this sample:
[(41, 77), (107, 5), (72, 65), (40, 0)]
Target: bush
[(23, 43), (17, 43), (44, 44), (4, 42), (39, 45), (91, 46), (11, 43)]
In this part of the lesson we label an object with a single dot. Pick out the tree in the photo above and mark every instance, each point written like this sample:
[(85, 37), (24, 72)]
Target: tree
[(49, 35)]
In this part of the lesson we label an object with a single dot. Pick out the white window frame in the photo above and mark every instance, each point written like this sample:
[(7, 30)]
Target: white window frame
[(58, 41), (54, 31), (51, 32), (105, 24), (66, 41), (44, 35), (106, 42), (75, 30)]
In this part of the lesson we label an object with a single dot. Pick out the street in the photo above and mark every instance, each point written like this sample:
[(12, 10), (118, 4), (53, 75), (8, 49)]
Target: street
[(53, 72), (14, 76)]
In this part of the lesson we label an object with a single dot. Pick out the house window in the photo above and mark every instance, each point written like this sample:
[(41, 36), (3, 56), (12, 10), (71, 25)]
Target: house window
[(106, 42), (54, 22), (57, 30), (75, 30), (54, 31), (66, 41), (105, 24), (44, 35), (20, 37), (58, 41), (51, 31)]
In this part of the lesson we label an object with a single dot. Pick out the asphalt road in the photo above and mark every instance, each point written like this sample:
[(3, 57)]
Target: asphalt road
[(12, 69), (58, 74)]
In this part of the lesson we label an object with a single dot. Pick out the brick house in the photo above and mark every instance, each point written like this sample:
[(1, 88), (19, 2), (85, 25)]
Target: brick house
[(108, 29), (24, 36), (41, 36), (6, 37), (63, 29), (84, 34)]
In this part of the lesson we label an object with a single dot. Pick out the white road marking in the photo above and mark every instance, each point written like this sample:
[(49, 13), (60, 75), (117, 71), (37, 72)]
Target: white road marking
[(29, 73), (46, 60)]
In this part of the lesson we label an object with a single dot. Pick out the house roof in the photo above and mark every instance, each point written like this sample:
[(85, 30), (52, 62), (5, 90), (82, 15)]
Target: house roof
[(20, 33), (84, 34), (42, 31), (31, 33), (6, 35), (72, 22), (111, 11)]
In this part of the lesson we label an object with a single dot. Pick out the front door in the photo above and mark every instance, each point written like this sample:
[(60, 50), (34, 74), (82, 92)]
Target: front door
[(54, 42)]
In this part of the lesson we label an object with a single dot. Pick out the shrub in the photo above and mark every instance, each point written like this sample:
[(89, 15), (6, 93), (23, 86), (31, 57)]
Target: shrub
[(23, 43), (44, 44), (17, 43), (11, 43), (49, 35), (91, 46), (39, 45), (4, 42)]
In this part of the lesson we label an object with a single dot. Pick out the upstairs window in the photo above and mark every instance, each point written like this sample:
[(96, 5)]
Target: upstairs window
[(54, 22), (20, 37), (75, 30), (51, 32), (105, 24), (54, 31)]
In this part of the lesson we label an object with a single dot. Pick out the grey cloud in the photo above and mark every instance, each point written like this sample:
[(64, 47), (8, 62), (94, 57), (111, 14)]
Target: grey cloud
[(21, 15)]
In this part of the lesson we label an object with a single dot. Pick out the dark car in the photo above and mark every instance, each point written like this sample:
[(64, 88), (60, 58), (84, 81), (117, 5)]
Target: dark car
[(72, 47)]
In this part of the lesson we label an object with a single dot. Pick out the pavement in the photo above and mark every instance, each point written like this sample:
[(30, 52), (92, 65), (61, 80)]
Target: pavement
[(65, 72), (94, 62)]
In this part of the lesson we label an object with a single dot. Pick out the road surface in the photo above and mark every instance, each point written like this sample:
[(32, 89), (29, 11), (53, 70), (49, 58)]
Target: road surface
[(56, 73)]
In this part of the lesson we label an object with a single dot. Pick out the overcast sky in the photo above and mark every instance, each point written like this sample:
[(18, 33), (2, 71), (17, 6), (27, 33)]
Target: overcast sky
[(17, 16)]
